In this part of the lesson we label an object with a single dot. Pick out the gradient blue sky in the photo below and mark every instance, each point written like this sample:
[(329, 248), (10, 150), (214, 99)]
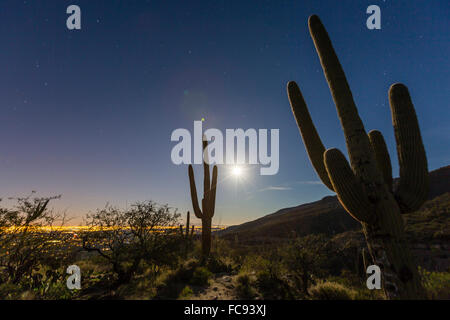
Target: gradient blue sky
[(88, 114)]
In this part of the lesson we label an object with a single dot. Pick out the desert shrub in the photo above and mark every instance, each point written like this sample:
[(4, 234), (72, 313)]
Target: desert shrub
[(144, 233), (362, 293), (56, 291), (305, 259), (185, 271), (271, 281), (437, 284), (350, 280), (244, 287), (330, 291), (48, 283), (221, 247), (10, 291), (28, 239), (272, 286), (94, 265), (173, 282), (140, 287), (237, 253), (217, 265), (270, 271), (200, 277), (186, 293), (345, 254), (254, 263)]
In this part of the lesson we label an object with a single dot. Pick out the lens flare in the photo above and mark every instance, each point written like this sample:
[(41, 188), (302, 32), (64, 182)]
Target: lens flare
[(236, 171)]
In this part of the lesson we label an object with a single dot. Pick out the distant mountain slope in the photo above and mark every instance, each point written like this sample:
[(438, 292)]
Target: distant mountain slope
[(323, 216), (439, 182)]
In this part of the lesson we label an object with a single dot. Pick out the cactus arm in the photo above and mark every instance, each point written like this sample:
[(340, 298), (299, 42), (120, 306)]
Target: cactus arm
[(413, 187), (206, 179), (350, 191), (212, 199), (361, 158), (197, 211), (311, 138), (382, 156)]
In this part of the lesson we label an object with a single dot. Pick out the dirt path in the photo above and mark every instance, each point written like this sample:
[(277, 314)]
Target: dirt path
[(222, 287)]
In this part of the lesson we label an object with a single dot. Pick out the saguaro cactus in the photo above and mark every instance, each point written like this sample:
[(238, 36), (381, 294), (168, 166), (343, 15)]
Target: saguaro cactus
[(364, 187), (187, 234), (208, 202)]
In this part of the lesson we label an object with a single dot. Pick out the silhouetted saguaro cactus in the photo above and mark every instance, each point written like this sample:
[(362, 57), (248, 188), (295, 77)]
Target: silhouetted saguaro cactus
[(187, 234), (206, 213), (364, 187)]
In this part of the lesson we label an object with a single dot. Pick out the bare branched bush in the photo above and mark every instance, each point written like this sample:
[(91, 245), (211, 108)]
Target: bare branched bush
[(27, 238), (305, 259), (145, 233)]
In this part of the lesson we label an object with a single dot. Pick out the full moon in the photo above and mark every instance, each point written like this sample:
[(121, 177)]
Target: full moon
[(237, 171)]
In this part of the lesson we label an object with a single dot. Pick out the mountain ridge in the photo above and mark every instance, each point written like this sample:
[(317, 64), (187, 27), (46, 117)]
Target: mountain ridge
[(322, 216)]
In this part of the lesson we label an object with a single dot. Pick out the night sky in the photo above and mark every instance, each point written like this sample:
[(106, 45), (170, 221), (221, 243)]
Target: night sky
[(89, 113)]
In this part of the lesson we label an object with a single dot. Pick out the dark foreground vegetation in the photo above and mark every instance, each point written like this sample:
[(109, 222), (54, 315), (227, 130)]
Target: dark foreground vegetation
[(144, 253)]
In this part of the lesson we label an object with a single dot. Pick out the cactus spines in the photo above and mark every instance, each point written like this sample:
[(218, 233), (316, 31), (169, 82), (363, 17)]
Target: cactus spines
[(206, 213), (364, 187)]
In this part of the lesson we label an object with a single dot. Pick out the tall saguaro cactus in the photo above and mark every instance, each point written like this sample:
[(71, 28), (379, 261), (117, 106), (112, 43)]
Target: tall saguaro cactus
[(365, 187), (206, 213)]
